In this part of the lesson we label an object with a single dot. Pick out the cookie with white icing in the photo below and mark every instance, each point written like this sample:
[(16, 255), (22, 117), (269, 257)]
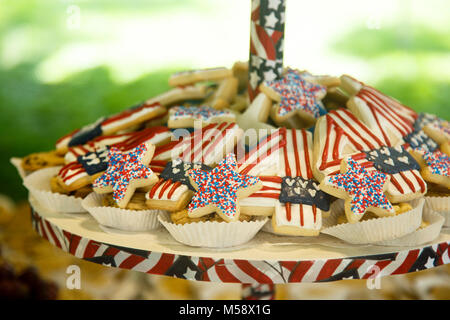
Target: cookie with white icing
[(362, 189), (205, 146), (90, 160), (294, 95), (340, 133), (290, 193), (111, 125), (184, 117), (384, 115)]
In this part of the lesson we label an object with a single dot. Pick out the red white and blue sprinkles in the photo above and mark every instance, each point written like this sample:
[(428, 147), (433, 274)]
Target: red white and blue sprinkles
[(364, 187), (298, 94), (438, 162), (123, 168), (219, 186), (204, 113)]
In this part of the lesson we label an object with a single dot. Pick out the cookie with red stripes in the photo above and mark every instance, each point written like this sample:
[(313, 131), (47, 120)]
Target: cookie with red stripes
[(282, 161), (293, 95), (340, 134), (126, 119), (89, 161), (205, 147), (384, 115)]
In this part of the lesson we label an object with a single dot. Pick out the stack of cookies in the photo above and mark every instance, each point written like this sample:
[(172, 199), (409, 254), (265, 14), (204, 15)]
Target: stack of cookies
[(310, 154)]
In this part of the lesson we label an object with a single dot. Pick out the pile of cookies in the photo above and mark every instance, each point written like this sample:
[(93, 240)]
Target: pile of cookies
[(310, 153)]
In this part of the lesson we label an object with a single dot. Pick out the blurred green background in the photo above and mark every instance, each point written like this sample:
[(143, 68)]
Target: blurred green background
[(65, 63)]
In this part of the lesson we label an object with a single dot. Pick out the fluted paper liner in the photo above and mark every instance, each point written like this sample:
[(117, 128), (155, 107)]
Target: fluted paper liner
[(38, 183), (441, 205), (420, 236), (213, 234), (373, 230), (122, 219)]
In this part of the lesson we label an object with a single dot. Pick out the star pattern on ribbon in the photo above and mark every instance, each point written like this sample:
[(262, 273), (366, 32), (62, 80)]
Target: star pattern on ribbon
[(218, 188), (365, 187), (298, 94), (124, 168)]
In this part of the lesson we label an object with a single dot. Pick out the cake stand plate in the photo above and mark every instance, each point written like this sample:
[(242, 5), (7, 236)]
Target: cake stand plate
[(259, 264)]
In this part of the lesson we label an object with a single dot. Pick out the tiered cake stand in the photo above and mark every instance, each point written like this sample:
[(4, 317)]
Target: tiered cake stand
[(260, 264), (264, 261)]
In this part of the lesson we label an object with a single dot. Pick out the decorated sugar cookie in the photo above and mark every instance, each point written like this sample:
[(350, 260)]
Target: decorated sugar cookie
[(385, 116), (125, 172), (362, 189), (340, 134), (205, 147), (112, 124), (173, 189), (435, 166), (295, 95), (157, 136), (183, 117), (87, 162), (220, 189), (290, 193), (192, 76)]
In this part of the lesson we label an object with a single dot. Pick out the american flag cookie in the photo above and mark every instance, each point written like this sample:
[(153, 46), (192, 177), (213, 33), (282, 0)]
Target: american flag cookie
[(290, 193), (91, 159), (185, 117), (158, 135), (384, 115), (125, 172), (295, 95), (340, 134), (219, 190), (111, 125), (190, 77), (203, 147)]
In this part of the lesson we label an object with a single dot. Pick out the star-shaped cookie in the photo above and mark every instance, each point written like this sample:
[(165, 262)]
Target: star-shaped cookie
[(361, 188), (220, 189), (295, 95), (435, 166), (126, 171)]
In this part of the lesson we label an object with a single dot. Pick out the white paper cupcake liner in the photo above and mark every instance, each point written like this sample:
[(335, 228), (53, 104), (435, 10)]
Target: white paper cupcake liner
[(213, 234), (17, 163), (441, 205), (420, 236), (38, 183), (373, 230), (121, 219)]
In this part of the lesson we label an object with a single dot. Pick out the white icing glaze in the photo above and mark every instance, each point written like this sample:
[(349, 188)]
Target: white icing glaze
[(295, 220)]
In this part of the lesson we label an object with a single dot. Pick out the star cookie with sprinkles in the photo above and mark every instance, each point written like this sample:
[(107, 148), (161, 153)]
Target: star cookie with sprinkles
[(220, 189), (435, 166), (294, 95), (362, 189), (125, 172)]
